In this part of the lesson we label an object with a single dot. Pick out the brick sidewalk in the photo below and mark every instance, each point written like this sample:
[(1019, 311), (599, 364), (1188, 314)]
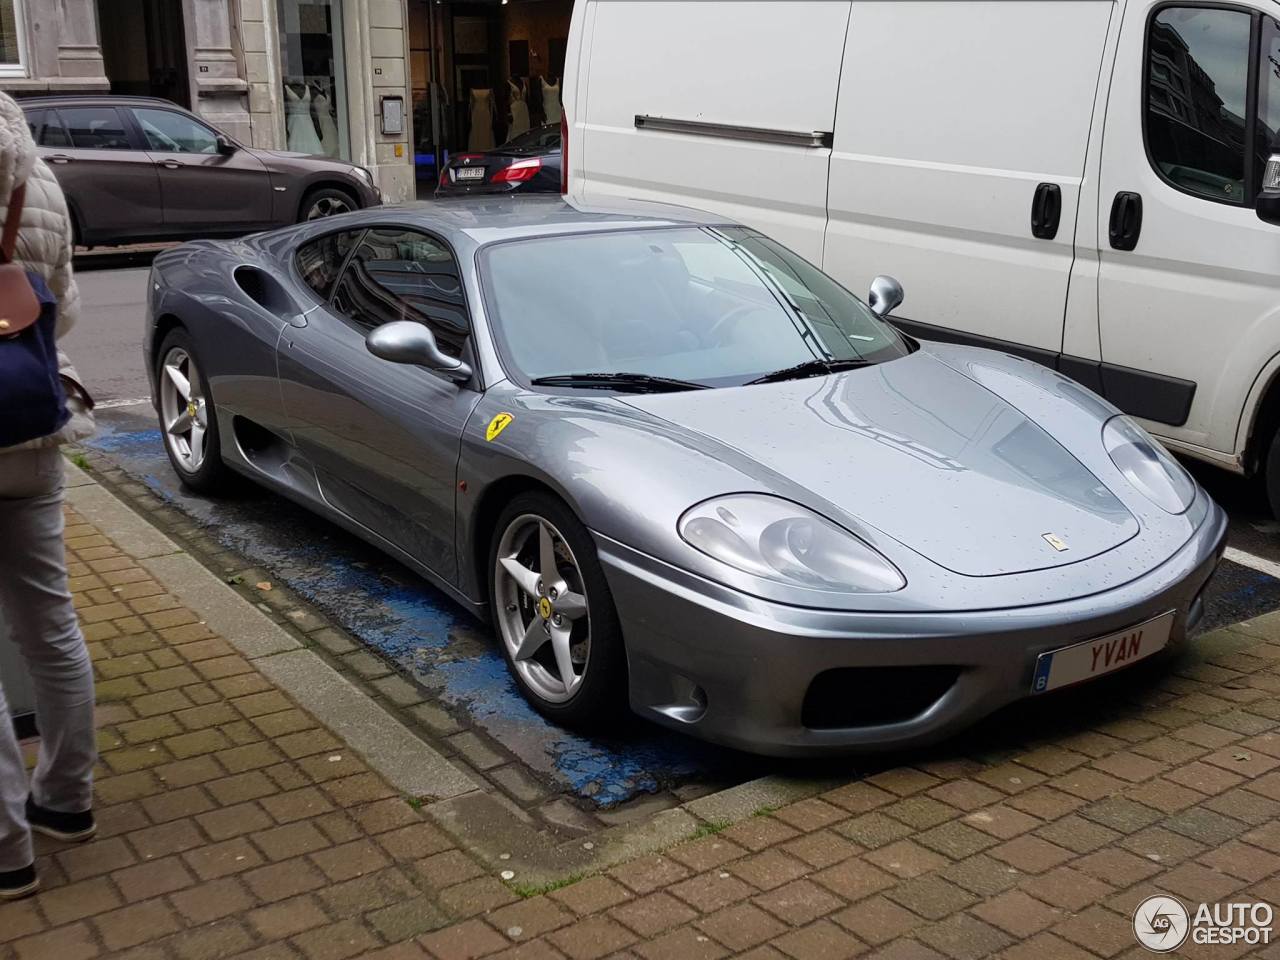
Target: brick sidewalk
[(234, 825)]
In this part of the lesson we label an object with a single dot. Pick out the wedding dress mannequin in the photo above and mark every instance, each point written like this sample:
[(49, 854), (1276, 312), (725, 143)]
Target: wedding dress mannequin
[(519, 110), (551, 100), (301, 129), (330, 145), (481, 137)]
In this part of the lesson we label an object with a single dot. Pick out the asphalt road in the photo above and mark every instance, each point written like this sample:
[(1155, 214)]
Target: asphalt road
[(407, 622)]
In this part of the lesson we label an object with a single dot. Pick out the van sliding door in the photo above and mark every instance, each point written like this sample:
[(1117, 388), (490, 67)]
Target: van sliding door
[(958, 157), (724, 106)]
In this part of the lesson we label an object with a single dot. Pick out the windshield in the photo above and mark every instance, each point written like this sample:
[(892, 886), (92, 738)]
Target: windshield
[(716, 306)]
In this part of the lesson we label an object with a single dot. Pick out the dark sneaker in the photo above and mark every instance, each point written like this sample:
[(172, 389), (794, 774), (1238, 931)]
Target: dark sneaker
[(71, 827), (15, 884)]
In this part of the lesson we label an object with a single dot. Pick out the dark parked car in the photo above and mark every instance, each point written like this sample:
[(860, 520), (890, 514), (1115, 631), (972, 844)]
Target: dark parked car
[(138, 168), (529, 163)]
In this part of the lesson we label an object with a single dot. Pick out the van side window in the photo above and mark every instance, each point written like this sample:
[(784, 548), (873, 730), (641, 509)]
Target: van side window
[(1197, 95), (1266, 140)]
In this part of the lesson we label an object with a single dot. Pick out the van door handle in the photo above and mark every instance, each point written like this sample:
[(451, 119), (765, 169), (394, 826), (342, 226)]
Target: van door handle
[(1126, 220), (1046, 211)]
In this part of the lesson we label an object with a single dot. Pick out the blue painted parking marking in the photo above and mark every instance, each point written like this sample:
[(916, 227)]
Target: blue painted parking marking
[(422, 633)]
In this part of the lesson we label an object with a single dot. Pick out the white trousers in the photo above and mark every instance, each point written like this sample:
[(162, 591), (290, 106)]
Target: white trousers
[(41, 621)]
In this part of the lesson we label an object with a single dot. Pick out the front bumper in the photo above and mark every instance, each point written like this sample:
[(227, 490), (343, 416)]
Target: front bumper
[(734, 669)]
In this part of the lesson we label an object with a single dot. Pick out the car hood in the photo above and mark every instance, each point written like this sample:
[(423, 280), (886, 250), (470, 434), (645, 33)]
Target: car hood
[(923, 454)]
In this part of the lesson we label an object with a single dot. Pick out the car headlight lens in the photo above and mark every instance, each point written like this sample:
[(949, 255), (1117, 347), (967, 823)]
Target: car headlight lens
[(778, 540), (364, 174), (1147, 465)]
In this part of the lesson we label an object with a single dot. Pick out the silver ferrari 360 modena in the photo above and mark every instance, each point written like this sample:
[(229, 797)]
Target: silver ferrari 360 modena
[(680, 468)]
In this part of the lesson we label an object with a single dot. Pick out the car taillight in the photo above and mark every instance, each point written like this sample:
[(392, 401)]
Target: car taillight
[(518, 172), (444, 177), (564, 152)]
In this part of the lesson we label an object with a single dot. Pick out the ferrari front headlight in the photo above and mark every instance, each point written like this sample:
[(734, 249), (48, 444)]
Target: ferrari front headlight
[(778, 540), (1147, 465)]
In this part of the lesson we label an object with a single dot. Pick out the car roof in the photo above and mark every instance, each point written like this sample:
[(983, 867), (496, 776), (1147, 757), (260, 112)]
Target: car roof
[(95, 99), (491, 219)]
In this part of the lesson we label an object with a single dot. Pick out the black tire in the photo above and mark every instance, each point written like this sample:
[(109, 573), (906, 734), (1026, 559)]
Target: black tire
[(1271, 474), (602, 697), (212, 476), (318, 198)]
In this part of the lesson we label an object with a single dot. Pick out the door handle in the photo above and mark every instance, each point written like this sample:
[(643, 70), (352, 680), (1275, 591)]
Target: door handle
[(59, 158), (1046, 211), (172, 164), (1126, 220)]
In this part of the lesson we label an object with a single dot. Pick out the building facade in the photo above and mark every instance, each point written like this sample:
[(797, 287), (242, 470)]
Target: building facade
[(319, 76)]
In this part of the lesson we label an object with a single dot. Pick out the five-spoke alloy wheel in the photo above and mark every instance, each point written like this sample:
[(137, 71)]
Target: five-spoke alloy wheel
[(553, 611), (326, 202), (187, 418)]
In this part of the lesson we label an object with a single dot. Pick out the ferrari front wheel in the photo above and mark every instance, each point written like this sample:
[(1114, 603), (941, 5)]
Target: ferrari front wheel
[(188, 422), (554, 614)]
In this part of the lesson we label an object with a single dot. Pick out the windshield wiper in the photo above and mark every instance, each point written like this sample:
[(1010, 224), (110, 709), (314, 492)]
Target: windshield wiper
[(631, 382), (810, 368)]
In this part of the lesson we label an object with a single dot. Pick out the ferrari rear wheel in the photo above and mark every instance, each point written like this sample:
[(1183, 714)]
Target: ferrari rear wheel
[(187, 419), (554, 613)]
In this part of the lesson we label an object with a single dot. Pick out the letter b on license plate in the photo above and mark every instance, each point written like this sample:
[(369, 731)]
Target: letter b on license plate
[(1093, 658)]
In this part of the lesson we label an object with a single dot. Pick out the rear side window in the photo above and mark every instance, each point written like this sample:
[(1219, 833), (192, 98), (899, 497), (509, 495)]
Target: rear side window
[(398, 274), (1197, 99), (320, 261), (53, 133), (95, 128)]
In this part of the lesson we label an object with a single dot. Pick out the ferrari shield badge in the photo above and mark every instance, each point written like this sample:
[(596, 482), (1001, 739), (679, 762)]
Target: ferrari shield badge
[(497, 425), (1052, 539)]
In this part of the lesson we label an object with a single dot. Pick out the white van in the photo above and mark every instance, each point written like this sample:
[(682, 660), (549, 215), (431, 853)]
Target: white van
[(1074, 181)]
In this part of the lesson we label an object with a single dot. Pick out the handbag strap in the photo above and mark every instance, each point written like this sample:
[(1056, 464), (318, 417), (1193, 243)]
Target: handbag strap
[(12, 220)]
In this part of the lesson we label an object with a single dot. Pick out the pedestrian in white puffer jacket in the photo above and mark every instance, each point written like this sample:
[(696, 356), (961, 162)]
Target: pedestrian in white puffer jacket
[(35, 603)]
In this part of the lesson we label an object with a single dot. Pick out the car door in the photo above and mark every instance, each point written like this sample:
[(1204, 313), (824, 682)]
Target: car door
[(110, 184), (383, 437), (1189, 277), (201, 184)]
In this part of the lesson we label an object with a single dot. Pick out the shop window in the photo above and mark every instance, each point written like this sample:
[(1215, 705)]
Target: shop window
[(12, 47), (404, 275), (313, 71), (1197, 83)]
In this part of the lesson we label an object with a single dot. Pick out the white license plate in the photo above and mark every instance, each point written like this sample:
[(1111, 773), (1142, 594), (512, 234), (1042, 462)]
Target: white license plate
[(1093, 658), (471, 173)]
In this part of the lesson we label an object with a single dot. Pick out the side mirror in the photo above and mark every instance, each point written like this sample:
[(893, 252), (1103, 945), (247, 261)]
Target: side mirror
[(1267, 205), (225, 146), (885, 296), (403, 341)]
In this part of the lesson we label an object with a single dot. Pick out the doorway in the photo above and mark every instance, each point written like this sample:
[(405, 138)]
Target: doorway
[(144, 49), (472, 60)]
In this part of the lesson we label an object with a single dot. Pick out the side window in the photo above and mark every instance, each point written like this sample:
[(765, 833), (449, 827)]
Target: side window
[(34, 119), (169, 132), (320, 261), (1197, 83), (400, 274), (94, 128), (54, 134)]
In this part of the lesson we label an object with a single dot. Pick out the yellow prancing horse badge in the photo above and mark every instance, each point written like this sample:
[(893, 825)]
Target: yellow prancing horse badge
[(497, 425), (544, 608)]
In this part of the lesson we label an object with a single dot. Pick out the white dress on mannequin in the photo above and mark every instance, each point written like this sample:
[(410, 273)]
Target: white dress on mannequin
[(551, 100), (330, 144), (481, 137), (519, 110), (301, 129)]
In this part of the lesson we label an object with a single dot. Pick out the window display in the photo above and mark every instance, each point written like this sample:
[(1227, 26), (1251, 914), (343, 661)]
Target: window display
[(314, 77)]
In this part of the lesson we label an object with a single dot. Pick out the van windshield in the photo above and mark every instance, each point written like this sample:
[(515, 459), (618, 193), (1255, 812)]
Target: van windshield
[(713, 306)]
